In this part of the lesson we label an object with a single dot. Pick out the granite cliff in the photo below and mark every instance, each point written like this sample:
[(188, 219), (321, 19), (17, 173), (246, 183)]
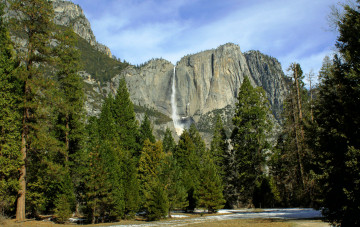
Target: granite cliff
[(71, 15), (206, 83)]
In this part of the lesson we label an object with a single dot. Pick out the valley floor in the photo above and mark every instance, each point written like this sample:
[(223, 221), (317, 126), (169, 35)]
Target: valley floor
[(247, 217)]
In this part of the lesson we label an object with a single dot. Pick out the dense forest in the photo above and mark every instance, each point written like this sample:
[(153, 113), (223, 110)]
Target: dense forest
[(54, 160)]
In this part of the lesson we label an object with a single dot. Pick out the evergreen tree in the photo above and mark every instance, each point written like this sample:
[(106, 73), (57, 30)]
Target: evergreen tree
[(187, 157), (292, 159), (150, 169), (71, 104), (172, 178), (95, 178), (71, 114), (145, 131), (34, 22), (124, 115), (209, 193), (337, 117), (249, 140), (131, 185), (156, 201), (219, 146), (10, 156), (168, 142)]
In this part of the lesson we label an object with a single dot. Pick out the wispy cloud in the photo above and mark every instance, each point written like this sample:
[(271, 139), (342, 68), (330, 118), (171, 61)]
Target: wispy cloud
[(137, 30)]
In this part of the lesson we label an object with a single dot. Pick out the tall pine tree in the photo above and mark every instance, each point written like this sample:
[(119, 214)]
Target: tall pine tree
[(10, 156), (34, 22), (249, 141), (337, 116)]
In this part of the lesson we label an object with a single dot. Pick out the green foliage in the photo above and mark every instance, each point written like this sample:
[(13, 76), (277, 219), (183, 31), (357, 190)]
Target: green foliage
[(146, 131), (150, 168), (209, 193), (99, 65), (156, 201), (150, 162), (172, 178), (125, 121), (292, 159), (63, 209), (252, 126), (168, 142), (219, 146), (160, 118), (337, 117), (188, 155), (10, 156)]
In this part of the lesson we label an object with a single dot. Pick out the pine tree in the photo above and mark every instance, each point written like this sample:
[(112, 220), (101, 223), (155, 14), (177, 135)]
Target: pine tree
[(292, 158), (209, 193), (95, 178), (72, 97), (35, 24), (219, 146), (150, 169), (168, 142), (172, 178), (124, 115), (249, 140), (145, 131), (156, 201), (187, 157), (10, 118), (337, 117)]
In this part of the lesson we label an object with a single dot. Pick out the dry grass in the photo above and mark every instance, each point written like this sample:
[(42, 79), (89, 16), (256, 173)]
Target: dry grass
[(244, 223)]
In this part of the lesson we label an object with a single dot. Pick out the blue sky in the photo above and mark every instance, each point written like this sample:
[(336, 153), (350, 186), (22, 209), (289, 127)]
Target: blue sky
[(289, 30)]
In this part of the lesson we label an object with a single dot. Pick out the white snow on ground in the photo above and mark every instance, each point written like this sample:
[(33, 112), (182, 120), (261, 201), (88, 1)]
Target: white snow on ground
[(179, 216), (292, 213)]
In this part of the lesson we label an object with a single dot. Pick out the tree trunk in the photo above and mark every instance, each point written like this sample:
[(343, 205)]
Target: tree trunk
[(299, 102), (20, 205), (67, 141), (298, 144)]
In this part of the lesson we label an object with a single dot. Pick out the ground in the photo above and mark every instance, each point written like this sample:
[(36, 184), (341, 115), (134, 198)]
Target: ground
[(225, 218)]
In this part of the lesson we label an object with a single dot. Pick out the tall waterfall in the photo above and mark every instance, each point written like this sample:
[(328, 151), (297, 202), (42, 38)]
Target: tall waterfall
[(178, 126)]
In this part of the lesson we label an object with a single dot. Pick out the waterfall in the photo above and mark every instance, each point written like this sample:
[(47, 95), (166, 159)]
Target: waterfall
[(178, 126)]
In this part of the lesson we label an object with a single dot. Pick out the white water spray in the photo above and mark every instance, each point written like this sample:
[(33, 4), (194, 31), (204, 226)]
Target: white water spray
[(178, 127)]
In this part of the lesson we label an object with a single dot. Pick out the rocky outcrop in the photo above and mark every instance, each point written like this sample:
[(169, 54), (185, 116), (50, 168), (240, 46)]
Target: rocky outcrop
[(266, 71), (211, 79), (70, 15)]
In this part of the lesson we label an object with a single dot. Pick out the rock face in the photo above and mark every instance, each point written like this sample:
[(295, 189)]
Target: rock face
[(206, 83), (149, 86), (211, 79), (70, 15), (266, 71)]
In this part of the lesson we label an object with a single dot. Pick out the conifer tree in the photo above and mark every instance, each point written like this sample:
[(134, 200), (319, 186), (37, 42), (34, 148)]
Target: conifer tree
[(35, 24), (95, 178), (219, 146), (10, 118), (71, 104), (337, 117), (145, 131), (150, 169), (124, 115), (209, 193), (168, 142), (292, 158), (249, 140), (156, 201), (173, 181), (186, 155)]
